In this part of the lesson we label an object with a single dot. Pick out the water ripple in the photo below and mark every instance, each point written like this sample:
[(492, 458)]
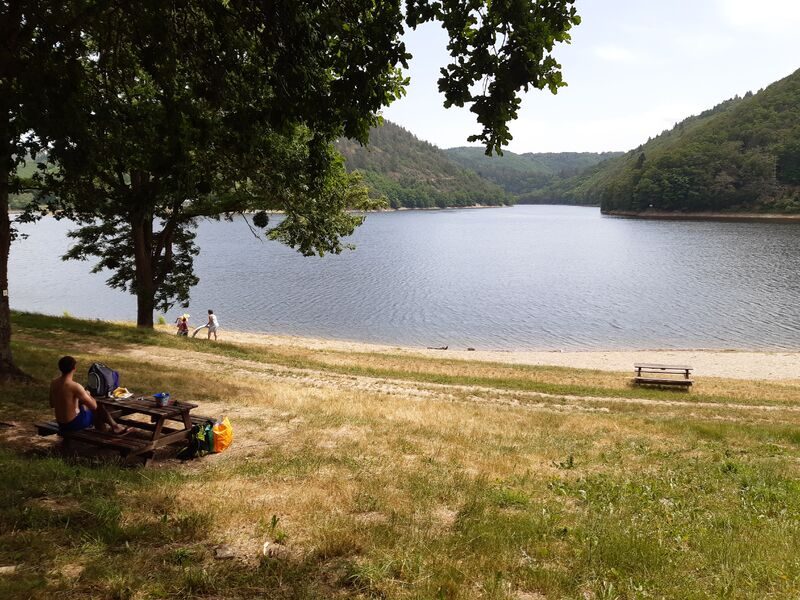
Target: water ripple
[(526, 277)]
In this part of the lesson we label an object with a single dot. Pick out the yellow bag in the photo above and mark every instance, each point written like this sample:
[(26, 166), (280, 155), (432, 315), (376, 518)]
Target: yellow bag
[(223, 435)]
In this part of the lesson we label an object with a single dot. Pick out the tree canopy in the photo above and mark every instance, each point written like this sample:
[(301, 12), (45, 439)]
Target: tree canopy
[(189, 108), (40, 43)]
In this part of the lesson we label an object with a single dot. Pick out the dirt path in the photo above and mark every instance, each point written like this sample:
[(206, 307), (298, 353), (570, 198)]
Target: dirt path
[(730, 364), (530, 400), (407, 388)]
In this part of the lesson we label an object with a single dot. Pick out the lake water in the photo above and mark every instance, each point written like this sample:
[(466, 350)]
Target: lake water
[(528, 277)]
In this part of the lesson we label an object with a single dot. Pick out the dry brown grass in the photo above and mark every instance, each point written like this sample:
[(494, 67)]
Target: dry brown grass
[(400, 486)]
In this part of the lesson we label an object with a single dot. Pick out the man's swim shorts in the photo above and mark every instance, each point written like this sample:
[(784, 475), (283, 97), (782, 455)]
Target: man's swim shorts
[(83, 420)]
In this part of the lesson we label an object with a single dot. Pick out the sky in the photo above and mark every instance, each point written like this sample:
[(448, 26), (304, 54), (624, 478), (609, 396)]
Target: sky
[(634, 69)]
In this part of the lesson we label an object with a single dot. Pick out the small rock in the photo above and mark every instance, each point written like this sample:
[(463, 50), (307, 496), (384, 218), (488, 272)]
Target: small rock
[(71, 571), (8, 570), (277, 551), (224, 552)]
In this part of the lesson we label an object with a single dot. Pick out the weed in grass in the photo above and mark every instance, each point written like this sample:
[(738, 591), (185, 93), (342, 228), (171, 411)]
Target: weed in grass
[(279, 536), (120, 587), (182, 556), (197, 580), (508, 498), (569, 463), (365, 502)]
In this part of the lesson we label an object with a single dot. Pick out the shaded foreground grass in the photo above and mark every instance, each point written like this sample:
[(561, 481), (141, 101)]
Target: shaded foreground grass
[(392, 495)]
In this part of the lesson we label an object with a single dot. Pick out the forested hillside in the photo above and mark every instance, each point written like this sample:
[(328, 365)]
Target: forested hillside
[(415, 174), (521, 174), (741, 156)]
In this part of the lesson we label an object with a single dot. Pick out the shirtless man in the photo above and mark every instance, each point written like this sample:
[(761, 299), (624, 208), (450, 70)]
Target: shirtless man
[(75, 409)]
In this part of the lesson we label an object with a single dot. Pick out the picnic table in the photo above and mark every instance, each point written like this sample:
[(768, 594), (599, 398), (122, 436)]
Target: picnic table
[(157, 432), (662, 375)]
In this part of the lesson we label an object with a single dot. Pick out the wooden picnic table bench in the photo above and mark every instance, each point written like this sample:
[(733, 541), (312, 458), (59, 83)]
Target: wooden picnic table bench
[(136, 448), (646, 374)]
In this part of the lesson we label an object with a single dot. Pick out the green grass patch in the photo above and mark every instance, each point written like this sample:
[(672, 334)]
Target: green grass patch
[(377, 496)]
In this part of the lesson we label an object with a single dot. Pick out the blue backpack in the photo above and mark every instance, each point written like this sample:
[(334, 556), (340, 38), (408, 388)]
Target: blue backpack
[(102, 380)]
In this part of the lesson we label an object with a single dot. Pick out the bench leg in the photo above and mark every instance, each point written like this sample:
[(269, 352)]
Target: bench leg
[(142, 459)]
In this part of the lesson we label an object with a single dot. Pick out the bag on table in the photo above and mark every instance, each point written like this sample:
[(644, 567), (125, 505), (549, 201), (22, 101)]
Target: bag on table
[(102, 380)]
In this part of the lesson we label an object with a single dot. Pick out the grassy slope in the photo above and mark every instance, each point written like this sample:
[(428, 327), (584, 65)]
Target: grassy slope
[(403, 477)]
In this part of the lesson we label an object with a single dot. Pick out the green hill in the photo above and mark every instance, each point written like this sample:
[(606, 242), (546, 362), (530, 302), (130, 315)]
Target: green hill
[(741, 156), (415, 174), (522, 174)]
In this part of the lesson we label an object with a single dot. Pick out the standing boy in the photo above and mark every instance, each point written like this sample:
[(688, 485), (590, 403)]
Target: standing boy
[(212, 324)]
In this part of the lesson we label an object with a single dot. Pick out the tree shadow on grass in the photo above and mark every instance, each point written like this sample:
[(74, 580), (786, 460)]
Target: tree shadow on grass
[(83, 529), (83, 526)]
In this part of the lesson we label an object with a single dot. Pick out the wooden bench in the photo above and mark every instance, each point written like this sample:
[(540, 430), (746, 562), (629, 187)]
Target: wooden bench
[(153, 434), (670, 375), (130, 448)]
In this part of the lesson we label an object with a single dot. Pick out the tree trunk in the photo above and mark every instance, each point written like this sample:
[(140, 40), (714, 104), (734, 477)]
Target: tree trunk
[(8, 370), (142, 231), (145, 304)]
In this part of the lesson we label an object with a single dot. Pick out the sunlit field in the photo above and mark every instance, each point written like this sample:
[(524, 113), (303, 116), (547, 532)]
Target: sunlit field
[(393, 476)]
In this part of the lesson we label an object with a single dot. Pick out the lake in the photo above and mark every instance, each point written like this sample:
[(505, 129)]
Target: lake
[(527, 277)]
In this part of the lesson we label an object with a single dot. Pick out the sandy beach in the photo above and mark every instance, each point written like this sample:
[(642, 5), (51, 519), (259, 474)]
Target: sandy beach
[(732, 364)]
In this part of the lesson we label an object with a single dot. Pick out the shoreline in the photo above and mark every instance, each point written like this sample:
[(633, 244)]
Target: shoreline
[(657, 215), (731, 364)]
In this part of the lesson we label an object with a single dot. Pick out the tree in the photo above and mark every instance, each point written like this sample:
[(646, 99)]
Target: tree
[(211, 107), (38, 52)]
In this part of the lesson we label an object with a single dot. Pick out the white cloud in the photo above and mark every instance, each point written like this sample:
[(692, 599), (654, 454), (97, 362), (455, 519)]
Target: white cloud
[(616, 54), (765, 16), (596, 133), (703, 44)]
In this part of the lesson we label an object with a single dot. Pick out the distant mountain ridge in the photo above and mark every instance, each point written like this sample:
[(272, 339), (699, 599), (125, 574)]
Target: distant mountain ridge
[(523, 174), (412, 173), (743, 155)]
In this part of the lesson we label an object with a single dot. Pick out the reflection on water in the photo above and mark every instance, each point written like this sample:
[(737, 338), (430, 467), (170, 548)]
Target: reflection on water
[(507, 278)]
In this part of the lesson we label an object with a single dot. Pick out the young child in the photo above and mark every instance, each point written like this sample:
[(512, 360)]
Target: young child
[(183, 326)]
